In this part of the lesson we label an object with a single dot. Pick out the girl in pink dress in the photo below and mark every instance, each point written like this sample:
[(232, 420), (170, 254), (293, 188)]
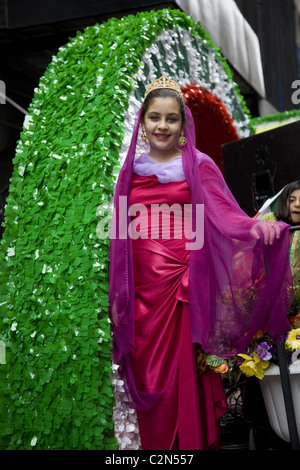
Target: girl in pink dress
[(188, 268)]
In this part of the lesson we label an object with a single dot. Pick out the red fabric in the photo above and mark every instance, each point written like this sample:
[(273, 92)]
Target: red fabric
[(213, 124), (186, 416)]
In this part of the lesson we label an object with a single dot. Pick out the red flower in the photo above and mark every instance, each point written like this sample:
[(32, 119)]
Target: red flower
[(214, 126)]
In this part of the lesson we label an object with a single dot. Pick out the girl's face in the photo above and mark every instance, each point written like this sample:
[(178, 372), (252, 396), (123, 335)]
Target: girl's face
[(294, 206), (163, 125)]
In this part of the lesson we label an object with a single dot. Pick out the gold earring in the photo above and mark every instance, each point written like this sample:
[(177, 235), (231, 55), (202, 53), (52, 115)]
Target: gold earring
[(144, 137), (182, 140)]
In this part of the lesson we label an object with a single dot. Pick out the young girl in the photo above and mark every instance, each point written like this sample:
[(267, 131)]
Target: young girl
[(288, 205), (288, 210), (190, 271)]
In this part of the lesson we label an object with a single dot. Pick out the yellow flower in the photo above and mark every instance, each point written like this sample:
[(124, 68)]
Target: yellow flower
[(253, 365), (293, 339)]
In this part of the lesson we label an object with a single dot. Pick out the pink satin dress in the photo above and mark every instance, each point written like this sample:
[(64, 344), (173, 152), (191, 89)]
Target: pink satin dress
[(186, 417)]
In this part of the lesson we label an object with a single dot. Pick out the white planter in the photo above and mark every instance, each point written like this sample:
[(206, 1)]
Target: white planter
[(273, 396)]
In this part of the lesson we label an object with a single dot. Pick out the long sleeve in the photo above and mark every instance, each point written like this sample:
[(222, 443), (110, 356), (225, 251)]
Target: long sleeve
[(238, 284), (221, 206)]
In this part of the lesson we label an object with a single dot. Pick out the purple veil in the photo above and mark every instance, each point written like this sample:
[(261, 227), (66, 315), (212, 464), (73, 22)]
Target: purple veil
[(237, 284)]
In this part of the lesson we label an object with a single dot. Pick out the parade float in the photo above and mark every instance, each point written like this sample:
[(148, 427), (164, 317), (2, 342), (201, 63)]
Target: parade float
[(58, 386)]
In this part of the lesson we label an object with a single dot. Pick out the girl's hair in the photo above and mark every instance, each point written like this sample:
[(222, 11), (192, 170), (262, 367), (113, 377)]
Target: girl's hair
[(164, 93), (283, 211)]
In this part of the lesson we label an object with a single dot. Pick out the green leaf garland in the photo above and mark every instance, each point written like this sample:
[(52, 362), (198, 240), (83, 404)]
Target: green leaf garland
[(275, 120)]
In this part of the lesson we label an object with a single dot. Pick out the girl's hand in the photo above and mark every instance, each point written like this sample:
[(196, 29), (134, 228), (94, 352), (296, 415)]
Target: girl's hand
[(268, 230)]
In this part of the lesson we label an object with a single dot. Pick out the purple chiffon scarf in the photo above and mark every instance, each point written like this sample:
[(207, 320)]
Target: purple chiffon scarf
[(237, 284)]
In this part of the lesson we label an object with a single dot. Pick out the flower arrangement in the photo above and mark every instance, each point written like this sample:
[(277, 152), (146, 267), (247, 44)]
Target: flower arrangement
[(218, 364), (262, 351)]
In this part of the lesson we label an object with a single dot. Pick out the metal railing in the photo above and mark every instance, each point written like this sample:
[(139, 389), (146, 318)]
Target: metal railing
[(286, 388)]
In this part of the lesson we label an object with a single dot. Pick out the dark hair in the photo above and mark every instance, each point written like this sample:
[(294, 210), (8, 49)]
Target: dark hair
[(164, 93), (283, 211)]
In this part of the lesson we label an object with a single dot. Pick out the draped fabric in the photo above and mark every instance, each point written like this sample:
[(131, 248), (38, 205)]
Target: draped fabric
[(186, 415), (237, 285)]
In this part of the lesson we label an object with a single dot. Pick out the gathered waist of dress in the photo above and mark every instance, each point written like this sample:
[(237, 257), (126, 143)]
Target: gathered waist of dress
[(161, 222)]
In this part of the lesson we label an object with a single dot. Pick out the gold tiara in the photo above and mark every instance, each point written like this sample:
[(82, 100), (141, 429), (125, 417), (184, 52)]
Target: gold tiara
[(163, 82)]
